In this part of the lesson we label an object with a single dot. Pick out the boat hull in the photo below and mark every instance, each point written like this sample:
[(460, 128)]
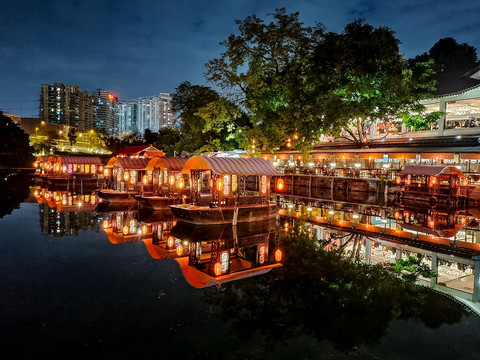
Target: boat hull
[(112, 196), (202, 215), (157, 202)]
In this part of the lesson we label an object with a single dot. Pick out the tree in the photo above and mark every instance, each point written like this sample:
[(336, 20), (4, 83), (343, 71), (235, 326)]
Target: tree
[(15, 150), (187, 100), (168, 140), (363, 79), (263, 71), (450, 55)]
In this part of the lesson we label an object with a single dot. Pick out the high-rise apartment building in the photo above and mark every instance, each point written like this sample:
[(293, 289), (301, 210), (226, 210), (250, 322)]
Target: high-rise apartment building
[(153, 113), (65, 105), (105, 111)]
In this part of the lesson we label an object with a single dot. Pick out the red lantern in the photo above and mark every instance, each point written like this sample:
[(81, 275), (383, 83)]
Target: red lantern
[(280, 184)]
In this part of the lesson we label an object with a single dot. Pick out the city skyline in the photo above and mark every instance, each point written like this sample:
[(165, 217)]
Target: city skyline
[(137, 51)]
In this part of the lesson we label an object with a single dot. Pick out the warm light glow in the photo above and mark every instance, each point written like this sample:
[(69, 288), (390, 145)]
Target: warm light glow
[(171, 180), (278, 255), (106, 224), (144, 229), (181, 183), (219, 184), (431, 224), (280, 184), (217, 269), (463, 220), (144, 179), (180, 250), (125, 230), (331, 212), (170, 241), (398, 180), (397, 215), (126, 176), (355, 216), (111, 97), (309, 209)]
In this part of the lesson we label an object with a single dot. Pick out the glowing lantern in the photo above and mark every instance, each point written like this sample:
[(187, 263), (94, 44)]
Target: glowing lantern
[(144, 229), (219, 184), (171, 180), (125, 230), (397, 215), (463, 220), (170, 242), (280, 184), (144, 179), (181, 183), (278, 255), (106, 224), (398, 180), (126, 176), (431, 224), (180, 250), (217, 269)]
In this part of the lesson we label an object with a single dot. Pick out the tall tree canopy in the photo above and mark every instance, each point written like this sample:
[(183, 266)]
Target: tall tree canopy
[(362, 78), (263, 70)]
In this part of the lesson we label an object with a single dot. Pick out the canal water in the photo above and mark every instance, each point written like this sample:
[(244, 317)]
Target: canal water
[(70, 287)]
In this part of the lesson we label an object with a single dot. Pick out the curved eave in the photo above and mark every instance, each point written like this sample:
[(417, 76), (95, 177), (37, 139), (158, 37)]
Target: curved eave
[(170, 163), (230, 166)]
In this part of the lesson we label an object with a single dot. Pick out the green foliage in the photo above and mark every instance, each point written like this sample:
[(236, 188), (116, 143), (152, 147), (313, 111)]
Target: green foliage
[(421, 121), (412, 267)]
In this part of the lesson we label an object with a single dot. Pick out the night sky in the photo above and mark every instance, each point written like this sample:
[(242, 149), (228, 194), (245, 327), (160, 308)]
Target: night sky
[(142, 48)]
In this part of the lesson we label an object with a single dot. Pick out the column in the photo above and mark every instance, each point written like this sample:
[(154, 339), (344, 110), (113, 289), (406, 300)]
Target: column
[(441, 120)]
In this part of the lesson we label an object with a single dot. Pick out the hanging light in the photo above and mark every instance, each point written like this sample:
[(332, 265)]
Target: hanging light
[(181, 183), (126, 176), (180, 250), (219, 184), (171, 180), (280, 184)]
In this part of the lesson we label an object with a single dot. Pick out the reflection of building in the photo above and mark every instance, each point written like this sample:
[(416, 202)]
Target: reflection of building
[(67, 221)]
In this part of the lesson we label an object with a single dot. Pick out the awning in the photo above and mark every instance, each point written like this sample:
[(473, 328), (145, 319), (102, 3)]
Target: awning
[(170, 163), (435, 156), (128, 163), (79, 160), (233, 166), (430, 170)]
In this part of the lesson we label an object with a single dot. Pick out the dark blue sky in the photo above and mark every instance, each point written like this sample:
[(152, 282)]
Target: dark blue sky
[(142, 48)]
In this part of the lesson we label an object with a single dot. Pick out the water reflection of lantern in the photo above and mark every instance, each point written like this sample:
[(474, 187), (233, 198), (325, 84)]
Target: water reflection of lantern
[(144, 229), (170, 242), (180, 250), (217, 269), (431, 224), (280, 184), (106, 224), (125, 230), (278, 255), (171, 180), (463, 220)]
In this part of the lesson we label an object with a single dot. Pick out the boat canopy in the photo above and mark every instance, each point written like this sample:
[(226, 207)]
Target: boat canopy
[(420, 170), (231, 166), (171, 163), (128, 163), (41, 159), (79, 160)]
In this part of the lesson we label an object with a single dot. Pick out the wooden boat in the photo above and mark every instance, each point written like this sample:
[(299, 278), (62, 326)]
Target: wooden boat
[(432, 185), (239, 189), (116, 196), (166, 185), (123, 179)]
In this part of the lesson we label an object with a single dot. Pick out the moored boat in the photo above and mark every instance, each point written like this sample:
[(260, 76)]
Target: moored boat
[(239, 189)]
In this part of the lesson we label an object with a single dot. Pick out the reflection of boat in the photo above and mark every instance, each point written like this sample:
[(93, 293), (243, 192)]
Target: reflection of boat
[(239, 188), (156, 202), (222, 253), (433, 185)]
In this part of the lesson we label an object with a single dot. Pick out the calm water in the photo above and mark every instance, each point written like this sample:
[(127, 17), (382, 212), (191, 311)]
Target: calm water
[(83, 296)]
